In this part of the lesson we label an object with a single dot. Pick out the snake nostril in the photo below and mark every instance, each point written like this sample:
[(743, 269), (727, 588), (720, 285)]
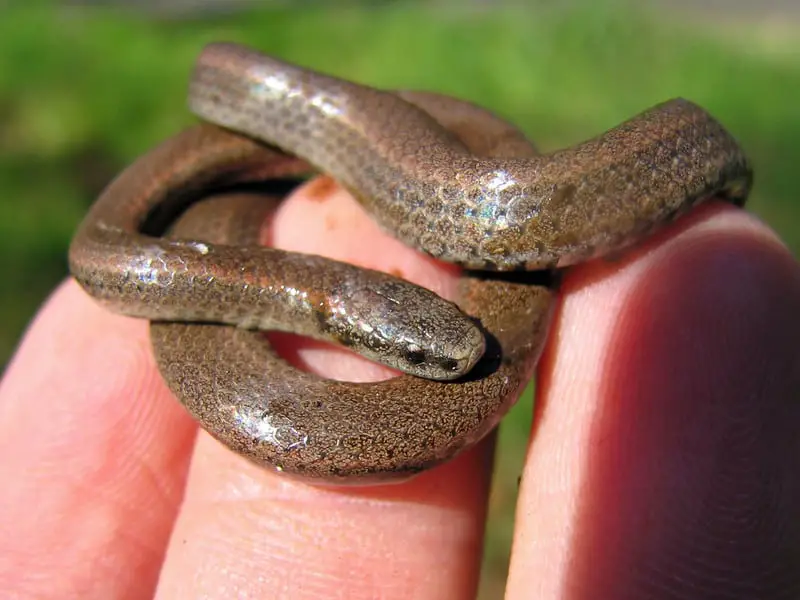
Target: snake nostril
[(451, 365)]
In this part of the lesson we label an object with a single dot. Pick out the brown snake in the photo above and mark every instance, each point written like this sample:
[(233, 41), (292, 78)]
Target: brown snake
[(442, 175)]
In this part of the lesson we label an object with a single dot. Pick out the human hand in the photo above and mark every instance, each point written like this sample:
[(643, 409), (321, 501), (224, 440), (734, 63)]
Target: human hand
[(662, 462)]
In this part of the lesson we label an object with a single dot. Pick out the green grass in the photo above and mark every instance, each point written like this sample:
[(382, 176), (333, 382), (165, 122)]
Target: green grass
[(84, 91)]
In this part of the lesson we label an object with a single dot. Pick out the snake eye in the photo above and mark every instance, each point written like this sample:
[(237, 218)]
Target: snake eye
[(415, 357)]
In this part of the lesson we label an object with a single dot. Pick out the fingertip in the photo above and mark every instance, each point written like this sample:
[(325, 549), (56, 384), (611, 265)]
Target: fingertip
[(671, 376), (89, 436), (85, 356)]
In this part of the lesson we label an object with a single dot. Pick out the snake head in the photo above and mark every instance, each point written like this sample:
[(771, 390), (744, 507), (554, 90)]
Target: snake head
[(403, 326)]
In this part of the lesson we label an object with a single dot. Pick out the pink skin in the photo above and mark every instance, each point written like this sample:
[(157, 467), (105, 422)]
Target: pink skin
[(662, 461)]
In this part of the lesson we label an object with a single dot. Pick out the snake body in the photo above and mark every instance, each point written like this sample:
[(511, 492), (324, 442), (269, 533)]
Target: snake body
[(500, 212), (444, 176)]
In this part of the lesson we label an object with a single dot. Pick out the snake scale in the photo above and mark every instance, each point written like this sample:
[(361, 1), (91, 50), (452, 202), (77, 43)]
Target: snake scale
[(174, 239)]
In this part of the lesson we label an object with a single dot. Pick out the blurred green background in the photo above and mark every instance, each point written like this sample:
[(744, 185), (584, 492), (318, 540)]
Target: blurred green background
[(84, 90)]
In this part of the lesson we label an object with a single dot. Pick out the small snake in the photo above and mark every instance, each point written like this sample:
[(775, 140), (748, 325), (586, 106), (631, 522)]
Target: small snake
[(444, 176)]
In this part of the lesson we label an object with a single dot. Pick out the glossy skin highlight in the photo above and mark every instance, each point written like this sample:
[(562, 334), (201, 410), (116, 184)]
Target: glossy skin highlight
[(441, 174), (252, 287), (505, 211)]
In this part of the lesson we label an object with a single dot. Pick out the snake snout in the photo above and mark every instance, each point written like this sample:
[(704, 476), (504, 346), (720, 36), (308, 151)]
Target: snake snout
[(457, 354)]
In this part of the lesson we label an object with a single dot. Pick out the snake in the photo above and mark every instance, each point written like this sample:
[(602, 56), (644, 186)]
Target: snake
[(174, 239)]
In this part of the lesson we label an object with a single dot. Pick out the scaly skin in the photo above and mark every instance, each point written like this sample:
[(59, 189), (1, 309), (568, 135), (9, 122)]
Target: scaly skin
[(442, 175)]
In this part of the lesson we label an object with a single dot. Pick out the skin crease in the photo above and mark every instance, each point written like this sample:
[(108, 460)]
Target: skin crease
[(107, 469)]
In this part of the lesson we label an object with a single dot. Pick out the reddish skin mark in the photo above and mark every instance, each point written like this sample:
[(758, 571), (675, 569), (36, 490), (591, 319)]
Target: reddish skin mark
[(320, 188)]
